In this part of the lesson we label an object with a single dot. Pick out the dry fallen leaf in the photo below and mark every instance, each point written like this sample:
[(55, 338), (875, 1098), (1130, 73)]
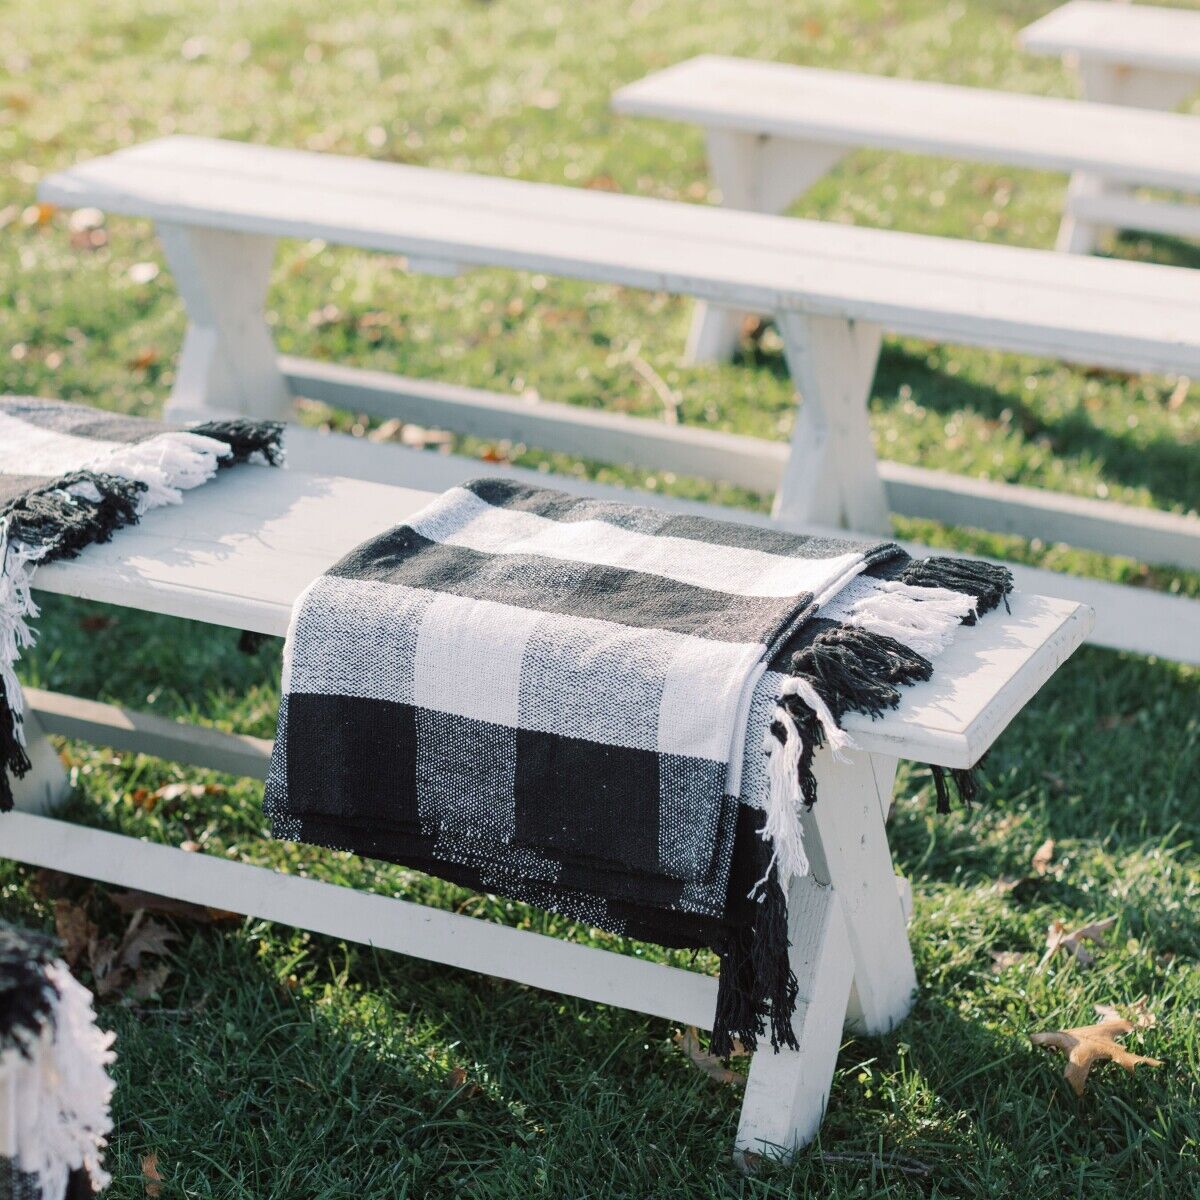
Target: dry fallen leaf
[(144, 359), (117, 965), (76, 931), (1058, 937), (1179, 393), (194, 791), (1088, 1044), (1142, 1017), (1003, 959), (131, 901), (1043, 857), (689, 1042), (459, 1081), (149, 982), (152, 1180)]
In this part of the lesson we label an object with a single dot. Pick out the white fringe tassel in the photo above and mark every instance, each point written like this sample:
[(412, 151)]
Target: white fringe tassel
[(781, 823), (924, 619), (168, 465), (60, 1093)]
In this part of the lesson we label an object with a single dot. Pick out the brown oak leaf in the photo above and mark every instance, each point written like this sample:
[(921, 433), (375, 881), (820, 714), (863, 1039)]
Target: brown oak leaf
[(1058, 937), (152, 1179), (1043, 857), (689, 1042), (1088, 1044)]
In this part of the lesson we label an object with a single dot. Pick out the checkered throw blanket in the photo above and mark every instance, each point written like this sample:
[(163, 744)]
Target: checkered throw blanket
[(72, 475), (602, 709)]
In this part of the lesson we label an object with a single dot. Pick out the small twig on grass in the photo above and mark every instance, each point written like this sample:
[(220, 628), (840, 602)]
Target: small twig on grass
[(906, 1166), (667, 396)]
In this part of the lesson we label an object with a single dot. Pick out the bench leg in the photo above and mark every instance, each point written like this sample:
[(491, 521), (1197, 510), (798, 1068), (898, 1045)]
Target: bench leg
[(832, 477), (759, 174), (849, 950), (852, 851), (228, 363), (1109, 83), (787, 1093), (46, 785)]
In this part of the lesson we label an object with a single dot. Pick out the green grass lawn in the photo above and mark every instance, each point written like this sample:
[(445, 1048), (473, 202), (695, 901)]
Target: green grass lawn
[(272, 1063)]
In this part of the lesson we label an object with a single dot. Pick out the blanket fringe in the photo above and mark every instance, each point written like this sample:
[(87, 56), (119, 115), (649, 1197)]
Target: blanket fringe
[(757, 988), (988, 583), (246, 439), (61, 1075), (883, 643)]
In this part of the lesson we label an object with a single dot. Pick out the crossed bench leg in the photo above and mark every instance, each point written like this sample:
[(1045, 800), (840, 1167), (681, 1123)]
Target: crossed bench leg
[(849, 944)]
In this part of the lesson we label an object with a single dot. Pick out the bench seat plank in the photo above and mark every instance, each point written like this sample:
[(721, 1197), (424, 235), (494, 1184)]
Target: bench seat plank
[(240, 550), (1126, 315), (1135, 35), (842, 108)]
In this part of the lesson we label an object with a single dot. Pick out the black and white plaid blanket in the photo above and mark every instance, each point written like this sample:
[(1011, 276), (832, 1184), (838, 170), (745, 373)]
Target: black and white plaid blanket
[(72, 475), (568, 702)]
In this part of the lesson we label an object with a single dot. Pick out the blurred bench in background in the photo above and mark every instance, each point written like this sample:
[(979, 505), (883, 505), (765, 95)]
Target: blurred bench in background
[(1133, 54), (773, 130)]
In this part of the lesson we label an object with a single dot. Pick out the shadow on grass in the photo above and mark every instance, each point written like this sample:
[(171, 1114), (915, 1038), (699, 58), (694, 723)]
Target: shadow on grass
[(1164, 467), (1157, 248), (1167, 469)]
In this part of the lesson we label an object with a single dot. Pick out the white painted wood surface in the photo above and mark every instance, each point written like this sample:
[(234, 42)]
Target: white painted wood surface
[(756, 174), (136, 732), (399, 925), (812, 115), (851, 854), (1132, 316), (1161, 39), (239, 552), (684, 248), (242, 549), (844, 109), (46, 785)]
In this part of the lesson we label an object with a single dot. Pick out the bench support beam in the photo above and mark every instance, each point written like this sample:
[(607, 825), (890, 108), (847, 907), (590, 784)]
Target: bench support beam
[(832, 477), (758, 173), (228, 361)]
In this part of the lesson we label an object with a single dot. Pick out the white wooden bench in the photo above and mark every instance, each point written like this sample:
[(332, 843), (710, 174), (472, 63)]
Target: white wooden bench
[(219, 206), (1133, 54), (774, 129), (239, 551)]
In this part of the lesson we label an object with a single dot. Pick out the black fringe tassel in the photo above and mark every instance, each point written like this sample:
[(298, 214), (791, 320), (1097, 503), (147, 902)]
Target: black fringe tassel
[(852, 670), (13, 759), (989, 583), (245, 438), (966, 784), (27, 997), (757, 988)]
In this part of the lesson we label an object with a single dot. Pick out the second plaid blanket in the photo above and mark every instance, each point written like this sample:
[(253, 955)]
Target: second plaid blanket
[(603, 709)]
